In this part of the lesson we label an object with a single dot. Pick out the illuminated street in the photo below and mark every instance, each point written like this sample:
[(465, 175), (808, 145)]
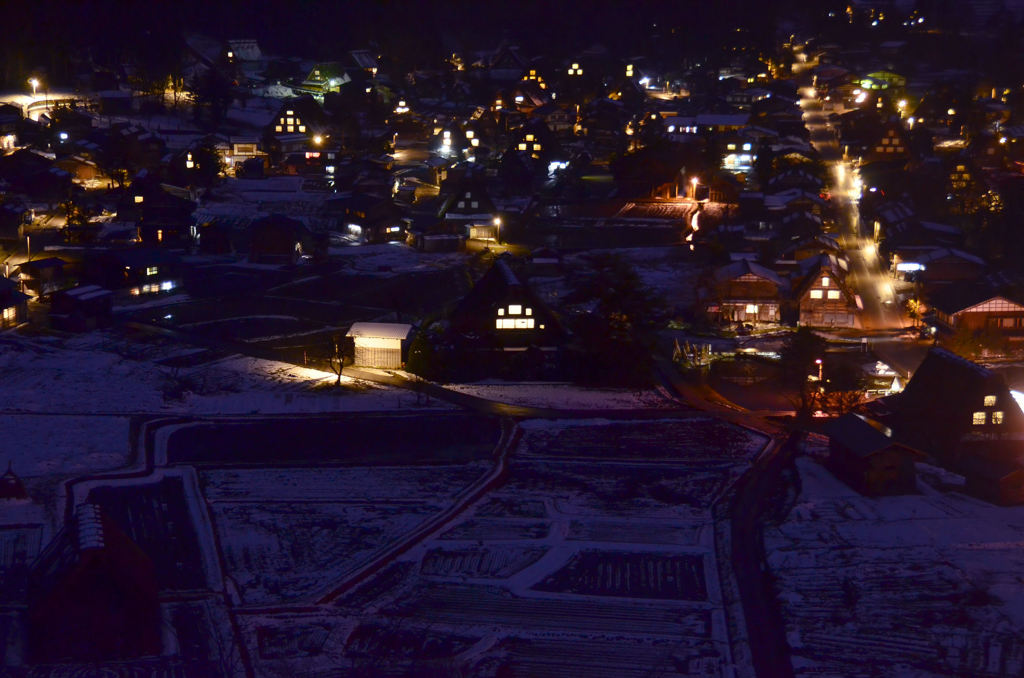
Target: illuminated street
[(868, 275)]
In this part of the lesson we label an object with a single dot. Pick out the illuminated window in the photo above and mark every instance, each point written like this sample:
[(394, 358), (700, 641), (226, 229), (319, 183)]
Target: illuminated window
[(475, 142), (291, 121), (997, 417), (159, 235), (731, 147), (515, 309), (522, 147), (752, 309), (529, 137), (815, 294), (529, 311), (291, 128), (151, 270), (825, 281), (990, 401), (302, 128), (978, 419), (501, 311), (277, 128), (138, 199), (833, 294), (536, 147), (474, 204), (9, 314)]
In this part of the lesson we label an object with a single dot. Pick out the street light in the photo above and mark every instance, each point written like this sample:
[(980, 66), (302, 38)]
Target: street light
[(817, 361), (35, 84), (694, 181)]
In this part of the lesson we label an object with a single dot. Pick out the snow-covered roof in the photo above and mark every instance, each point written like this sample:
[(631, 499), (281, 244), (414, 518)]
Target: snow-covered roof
[(380, 330)]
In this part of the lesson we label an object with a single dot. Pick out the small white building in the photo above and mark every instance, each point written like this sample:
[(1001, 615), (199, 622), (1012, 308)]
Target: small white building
[(379, 344)]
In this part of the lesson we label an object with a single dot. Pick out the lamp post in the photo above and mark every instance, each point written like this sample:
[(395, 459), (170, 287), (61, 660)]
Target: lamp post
[(694, 181), (35, 84)]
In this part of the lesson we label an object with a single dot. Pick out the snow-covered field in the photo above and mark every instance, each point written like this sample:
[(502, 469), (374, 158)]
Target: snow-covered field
[(927, 584), (290, 533), (566, 396), (101, 373), (603, 568)]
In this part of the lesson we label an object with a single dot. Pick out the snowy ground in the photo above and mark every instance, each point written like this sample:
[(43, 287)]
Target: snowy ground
[(289, 533), (66, 403), (565, 396), (923, 585), (602, 569)]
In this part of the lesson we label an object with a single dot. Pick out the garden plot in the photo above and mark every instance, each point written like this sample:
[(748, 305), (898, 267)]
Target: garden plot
[(694, 440), (497, 562), (603, 568), (630, 575), (927, 583), (286, 534), (566, 397)]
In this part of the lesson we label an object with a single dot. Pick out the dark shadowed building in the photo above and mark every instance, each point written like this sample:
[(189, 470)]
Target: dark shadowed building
[(864, 455), (93, 595)]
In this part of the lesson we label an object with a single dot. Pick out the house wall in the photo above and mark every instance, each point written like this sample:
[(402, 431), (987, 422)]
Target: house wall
[(886, 472)]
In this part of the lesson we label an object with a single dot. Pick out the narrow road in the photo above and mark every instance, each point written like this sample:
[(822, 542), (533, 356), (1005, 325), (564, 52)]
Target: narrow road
[(867, 275)]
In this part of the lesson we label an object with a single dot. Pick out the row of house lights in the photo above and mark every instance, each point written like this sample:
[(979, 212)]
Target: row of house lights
[(575, 69)]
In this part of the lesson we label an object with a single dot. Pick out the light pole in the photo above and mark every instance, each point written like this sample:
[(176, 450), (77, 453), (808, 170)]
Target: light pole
[(35, 84), (694, 181)]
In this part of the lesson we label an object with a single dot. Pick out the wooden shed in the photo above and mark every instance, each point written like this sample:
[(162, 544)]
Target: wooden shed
[(863, 454), (379, 345)]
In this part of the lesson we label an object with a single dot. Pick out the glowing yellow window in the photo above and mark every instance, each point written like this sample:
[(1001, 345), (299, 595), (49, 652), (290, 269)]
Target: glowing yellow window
[(522, 147), (291, 121), (997, 417), (291, 128), (277, 128), (978, 419), (825, 281), (529, 137), (990, 401), (515, 309), (139, 199), (302, 128), (833, 294), (752, 309), (815, 294)]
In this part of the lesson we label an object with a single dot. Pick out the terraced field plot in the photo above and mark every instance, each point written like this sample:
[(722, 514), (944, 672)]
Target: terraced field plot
[(695, 440), (287, 533), (630, 575), (495, 562)]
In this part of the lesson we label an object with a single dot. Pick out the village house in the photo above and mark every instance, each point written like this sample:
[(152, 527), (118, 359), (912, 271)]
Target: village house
[(470, 212), (864, 455), (43, 276), (81, 309), (366, 218), (953, 408), (506, 325), (823, 297), (13, 304), (744, 292), (978, 308), (276, 239), (136, 271)]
